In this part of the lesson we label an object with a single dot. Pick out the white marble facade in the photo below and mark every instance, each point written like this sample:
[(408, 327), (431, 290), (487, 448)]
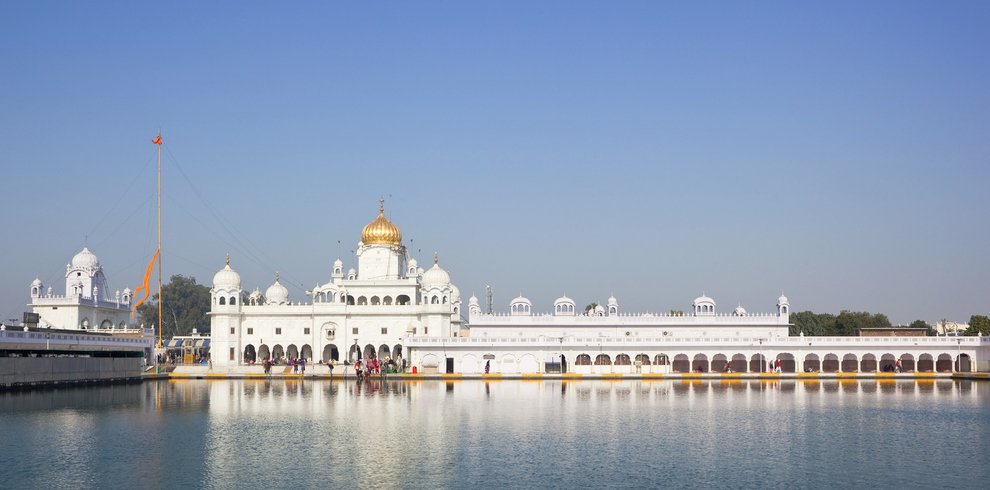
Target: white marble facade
[(87, 303), (372, 308)]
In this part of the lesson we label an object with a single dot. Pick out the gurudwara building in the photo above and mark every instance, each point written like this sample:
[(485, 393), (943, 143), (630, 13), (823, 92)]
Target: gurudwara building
[(366, 312), (389, 307)]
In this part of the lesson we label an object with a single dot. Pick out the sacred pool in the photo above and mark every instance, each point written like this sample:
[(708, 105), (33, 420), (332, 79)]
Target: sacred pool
[(512, 433)]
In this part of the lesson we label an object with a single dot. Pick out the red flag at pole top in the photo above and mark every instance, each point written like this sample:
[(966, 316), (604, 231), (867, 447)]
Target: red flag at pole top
[(157, 140)]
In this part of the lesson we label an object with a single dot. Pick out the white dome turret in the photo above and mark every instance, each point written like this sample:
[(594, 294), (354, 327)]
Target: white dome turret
[(36, 287), (455, 294), (227, 278), (520, 306), (85, 260), (783, 306), (36, 283), (739, 311), (564, 306), (276, 294), (435, 277), (703, 305), (613, 305), (412, 268)]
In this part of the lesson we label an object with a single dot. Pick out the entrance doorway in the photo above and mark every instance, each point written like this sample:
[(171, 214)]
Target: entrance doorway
[(450, 364)]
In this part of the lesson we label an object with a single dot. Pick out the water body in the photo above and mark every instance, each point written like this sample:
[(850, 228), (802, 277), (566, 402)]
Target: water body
[(515, 434)]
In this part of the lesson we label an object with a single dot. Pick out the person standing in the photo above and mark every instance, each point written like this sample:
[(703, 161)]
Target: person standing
[(488, 366), (302, 366)]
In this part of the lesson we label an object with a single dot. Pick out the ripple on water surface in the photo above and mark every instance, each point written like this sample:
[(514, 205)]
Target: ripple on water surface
[(429, 434)]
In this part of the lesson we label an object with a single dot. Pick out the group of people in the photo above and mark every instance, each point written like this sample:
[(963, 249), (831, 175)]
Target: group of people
[(370, 367)]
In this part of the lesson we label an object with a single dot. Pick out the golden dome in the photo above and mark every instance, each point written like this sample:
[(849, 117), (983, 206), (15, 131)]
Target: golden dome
[(381, 230)]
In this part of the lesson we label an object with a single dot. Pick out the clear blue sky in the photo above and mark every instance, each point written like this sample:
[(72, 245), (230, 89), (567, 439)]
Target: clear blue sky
[(838, 152)]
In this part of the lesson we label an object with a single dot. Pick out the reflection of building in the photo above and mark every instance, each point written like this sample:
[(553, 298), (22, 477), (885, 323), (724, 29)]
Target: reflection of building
[(87, 303), (364, 312)]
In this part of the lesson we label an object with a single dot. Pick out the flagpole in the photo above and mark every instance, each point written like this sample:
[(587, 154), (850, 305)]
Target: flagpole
[(161, 298)]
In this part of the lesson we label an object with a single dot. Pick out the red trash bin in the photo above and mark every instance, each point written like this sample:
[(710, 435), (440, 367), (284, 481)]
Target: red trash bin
[(414, 370)]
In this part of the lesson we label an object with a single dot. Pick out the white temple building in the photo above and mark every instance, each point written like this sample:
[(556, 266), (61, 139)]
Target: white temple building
[(388, 307), (87, 303), (366, 311)]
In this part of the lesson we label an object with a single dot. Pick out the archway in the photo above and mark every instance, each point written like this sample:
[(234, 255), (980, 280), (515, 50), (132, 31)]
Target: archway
[(469, 364), (402, 300), (926, 363), (369, 352), (700, 363), (249, 354), (787, 362), (850, 363), (812, 364), (963, 363), (887, 363), (292, 352), (643, 359), (307, 352), (661, 360), (583, 360), (603, 360), (738, 363), (397, 351), (508, 364), (758, 363), (868, 364), (907, 363), (622, 360), (264, 352), (528, 364), (354, 353), (830, 363), (681, 364), (330, 353), (384, 352), (720, 363), (278, 353), (944, 363)]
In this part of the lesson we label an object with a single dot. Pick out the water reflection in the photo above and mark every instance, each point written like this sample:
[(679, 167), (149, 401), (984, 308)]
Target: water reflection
[(376, 433)]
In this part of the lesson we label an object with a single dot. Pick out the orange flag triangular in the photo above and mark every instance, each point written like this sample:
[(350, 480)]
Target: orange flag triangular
[(157, 140)]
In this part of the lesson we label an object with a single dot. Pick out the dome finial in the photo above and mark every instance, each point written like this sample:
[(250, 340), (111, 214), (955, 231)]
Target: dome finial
[(276, 276), (381, 204), (436, 258), (227, 259)]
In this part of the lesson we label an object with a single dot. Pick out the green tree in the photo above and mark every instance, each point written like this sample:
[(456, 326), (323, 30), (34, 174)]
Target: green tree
[(590, 308), (929, 330), (978, 324), (816, 324), (848, 322), (676, 312), (185, 307)]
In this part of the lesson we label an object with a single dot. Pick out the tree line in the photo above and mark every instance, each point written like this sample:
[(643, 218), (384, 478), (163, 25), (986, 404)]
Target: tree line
[(848, 322)]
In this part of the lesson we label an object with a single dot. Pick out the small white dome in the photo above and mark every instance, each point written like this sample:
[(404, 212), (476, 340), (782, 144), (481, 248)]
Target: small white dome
[(521, 300), (127, 291), (436, 277), (351, 272), (85, 260), (455, 294), (739, 311), (338, 263), (703, 300), (520, 306), (276, 294), (612, 301), (36, 283), (255, 295), (473, 300), (782, 300), (412, 264), (563, 299), (227, 278)]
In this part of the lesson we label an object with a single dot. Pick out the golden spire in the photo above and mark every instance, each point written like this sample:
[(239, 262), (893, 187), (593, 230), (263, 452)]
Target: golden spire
[(381, 230)]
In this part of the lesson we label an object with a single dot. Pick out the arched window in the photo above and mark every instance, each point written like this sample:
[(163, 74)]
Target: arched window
[(362, 300), (435, 300), (375, 300), (387, 301), (223, 300), (233, 300)]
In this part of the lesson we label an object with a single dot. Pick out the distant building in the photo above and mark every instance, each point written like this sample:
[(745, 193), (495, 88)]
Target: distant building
[(87, 303)]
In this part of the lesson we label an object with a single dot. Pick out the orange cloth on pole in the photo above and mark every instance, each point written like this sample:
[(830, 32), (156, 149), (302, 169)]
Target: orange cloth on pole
[(157, 140), (147, 277)]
